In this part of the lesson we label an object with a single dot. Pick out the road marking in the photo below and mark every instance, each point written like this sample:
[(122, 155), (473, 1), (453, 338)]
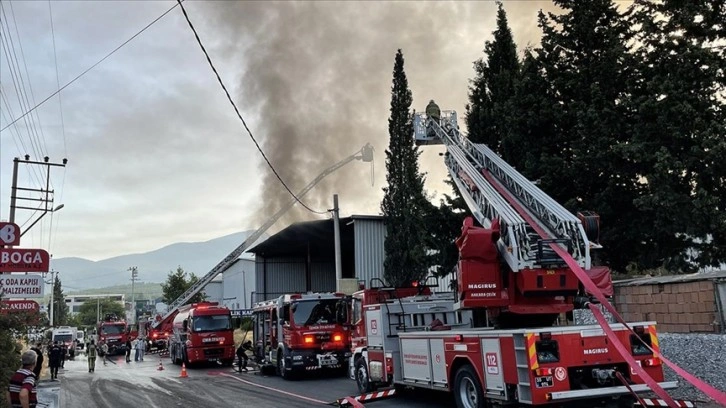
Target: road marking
[(273, 389)]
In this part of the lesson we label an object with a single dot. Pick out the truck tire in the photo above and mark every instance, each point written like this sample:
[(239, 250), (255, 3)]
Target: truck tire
[(361, 377), (467, 390), (281, 367)]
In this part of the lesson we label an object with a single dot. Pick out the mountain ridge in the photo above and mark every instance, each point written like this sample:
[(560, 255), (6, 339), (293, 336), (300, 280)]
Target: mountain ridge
[(78, 273)]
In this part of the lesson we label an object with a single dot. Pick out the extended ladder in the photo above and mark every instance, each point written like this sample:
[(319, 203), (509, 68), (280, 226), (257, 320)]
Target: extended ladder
[(365, 155), (477, 171)]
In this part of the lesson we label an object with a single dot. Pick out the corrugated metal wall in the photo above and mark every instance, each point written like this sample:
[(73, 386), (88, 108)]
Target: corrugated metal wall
[(239, 283), (287, 275), (369, 251)]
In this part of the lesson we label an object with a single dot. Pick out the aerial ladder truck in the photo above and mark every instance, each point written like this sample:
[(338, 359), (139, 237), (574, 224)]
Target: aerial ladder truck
[(163, 326), (496, 342)]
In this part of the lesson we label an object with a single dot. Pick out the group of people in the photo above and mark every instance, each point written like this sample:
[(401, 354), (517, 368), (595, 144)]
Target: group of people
[(139, 347)]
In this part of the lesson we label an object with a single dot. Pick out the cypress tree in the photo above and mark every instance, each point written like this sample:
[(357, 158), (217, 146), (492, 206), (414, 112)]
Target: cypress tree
[(404, 202), (490, 95)]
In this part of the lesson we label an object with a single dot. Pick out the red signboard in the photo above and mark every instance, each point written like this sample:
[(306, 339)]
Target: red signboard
[(10, 306), (24, 260), (9, 233)]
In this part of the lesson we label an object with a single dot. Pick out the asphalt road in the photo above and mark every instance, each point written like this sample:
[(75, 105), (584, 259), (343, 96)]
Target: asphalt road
[(133, 385)]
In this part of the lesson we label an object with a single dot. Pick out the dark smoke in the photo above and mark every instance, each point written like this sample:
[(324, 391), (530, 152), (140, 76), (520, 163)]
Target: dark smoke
[(315, 80)]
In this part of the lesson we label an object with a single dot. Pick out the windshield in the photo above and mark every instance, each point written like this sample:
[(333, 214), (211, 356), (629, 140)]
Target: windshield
[(309, 312), (211, 323), (112, 329), (63, 338)]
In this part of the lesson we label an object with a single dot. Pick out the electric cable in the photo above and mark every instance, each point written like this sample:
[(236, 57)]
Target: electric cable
[(89, 68), (239, 115), (57, 79)]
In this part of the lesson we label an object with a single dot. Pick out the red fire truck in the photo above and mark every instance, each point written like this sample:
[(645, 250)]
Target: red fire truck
[(114, 332), (495, 341), (302, 332), (202, 332)]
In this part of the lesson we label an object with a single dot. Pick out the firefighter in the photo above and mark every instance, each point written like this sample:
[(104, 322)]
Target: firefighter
[(128, 350), (91, 352), (104, 351), (54, 360), (64, 352), (242, 355), (433, 111), (39, 363)]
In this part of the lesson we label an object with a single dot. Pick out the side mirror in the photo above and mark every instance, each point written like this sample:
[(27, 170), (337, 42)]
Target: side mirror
[(185, 325)]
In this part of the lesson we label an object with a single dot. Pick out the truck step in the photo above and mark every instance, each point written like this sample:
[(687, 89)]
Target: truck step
[(372, 396), (652, 402)]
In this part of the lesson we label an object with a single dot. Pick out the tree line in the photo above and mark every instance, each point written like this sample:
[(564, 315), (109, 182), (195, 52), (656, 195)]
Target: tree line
[(621, 112)]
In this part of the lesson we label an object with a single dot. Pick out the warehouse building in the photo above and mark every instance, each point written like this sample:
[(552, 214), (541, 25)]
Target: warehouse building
[(301, 257)]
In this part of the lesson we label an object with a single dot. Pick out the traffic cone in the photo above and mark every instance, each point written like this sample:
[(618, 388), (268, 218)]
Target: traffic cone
[(184, 371), (161, 366)]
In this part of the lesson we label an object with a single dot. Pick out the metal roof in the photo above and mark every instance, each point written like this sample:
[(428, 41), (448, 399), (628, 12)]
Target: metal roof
[(654, 280), (317, 236)]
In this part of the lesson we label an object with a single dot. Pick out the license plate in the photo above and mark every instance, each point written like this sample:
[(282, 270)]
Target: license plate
[(327, 360), (213, 359)]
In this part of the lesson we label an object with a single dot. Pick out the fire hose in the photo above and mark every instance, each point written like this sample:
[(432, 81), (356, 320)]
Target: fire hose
[(710, 391)]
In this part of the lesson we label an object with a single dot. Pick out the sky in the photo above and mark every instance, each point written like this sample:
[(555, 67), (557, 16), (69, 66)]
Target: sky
[(156, 154)]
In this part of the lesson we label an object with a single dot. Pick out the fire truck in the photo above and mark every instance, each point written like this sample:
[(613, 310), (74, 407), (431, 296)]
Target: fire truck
[(202, 332), (495, 342), (114, 332), (299, 333)]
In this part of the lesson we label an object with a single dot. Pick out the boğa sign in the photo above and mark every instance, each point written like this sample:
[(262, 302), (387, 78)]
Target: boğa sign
[(21, 286), (24, 260)]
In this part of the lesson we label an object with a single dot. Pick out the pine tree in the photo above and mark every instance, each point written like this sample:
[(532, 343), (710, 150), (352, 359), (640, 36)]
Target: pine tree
[(585, 58), (492, 88), (404, 202), (177, 283), (679, 135)]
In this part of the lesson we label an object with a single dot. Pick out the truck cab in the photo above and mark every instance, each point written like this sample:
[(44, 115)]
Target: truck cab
[(302, 332), (202, 332)]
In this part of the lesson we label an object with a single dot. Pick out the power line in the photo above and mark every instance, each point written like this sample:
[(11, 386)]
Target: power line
[(239, 115), (57, 81), (89, 68)]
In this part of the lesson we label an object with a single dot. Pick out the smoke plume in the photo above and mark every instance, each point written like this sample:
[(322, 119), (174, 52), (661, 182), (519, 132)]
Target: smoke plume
[(315, 79)]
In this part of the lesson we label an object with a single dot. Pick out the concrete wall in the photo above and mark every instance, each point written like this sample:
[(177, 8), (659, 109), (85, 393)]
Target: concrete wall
[(685, 307)]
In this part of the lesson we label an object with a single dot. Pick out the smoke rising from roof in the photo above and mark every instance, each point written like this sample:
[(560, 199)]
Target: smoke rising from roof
[(317, 75)]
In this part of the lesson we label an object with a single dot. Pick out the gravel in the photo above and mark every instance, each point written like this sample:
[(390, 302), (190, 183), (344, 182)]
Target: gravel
[(703, 355)]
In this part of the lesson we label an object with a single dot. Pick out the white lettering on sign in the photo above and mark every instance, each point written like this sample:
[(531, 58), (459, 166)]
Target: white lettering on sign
[(374, 327), (18, 286), (322, 327), (482, 286), (492, 363), (212, 339), (20, 257), (483, 294), (595, 351), (9, 234)]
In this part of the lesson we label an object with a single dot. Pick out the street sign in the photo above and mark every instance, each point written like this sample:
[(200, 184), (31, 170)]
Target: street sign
[(9, 306), (21, 286), (24, 260), (241, 312), (9, 233)]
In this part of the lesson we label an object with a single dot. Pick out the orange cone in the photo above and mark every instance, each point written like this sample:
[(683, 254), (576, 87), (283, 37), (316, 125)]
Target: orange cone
[(184, 371), (161, 366)]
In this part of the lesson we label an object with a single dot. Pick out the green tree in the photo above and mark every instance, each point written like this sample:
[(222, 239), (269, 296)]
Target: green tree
[(444, 224), (90, 311), (12, 326), (679, 134), (585, 60), (177, 283), (491, 90), (60, 308), (404, 202)]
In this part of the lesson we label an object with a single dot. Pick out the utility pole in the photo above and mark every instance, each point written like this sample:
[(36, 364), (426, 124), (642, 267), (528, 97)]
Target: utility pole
[(336, 232), (52, 297), (134, 274), (47, 195)]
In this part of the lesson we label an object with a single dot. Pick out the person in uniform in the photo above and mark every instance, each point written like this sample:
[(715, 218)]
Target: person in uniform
[(433, 111), (39, 362), (54, 360), (91, 352), (242, 355)]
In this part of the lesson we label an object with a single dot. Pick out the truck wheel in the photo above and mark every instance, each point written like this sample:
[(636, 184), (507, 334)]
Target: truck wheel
[(281, 367), (361, 377), (467, 390)]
